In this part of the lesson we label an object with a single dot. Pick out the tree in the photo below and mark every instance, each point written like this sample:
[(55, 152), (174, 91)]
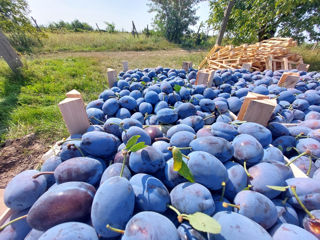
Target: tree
[(15, 23), (173, 17), (256, 20), (111, 27)]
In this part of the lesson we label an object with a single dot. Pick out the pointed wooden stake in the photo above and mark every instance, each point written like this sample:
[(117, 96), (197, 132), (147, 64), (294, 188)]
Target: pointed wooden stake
[(74, 115), (112, 77)]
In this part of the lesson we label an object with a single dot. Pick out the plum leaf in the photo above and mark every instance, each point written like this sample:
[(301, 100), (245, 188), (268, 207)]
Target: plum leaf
[(177, 159), (138, 147), (203, 222), (185, 172), (132, 141)]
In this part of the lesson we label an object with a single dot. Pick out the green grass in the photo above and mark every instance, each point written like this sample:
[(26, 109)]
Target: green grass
[(311, 57), (28, 102), (94, 41)]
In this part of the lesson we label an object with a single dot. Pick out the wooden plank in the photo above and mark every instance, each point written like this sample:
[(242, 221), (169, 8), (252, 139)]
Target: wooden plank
[(125, 66), (9, 54), (74, 115), (112, 77)]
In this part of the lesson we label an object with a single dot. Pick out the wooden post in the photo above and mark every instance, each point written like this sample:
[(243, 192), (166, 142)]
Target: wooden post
[(257, 108), (289, 79), (9, 54), (125, 66), (186, 66), (204, 77), (112, 77), (74, 115), (35, 23)]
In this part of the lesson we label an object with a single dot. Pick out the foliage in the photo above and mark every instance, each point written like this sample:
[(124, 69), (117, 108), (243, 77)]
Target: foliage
[(111, 27), (74, 26), (255, 20), (15, 23), (173, 17)]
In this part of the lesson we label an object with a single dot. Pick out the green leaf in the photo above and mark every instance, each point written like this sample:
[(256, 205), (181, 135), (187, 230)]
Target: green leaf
[(177, 87), (177, 159), (204, 223), (132, 141), (278, 188), (185, 172), (143, 83), (138, 147)]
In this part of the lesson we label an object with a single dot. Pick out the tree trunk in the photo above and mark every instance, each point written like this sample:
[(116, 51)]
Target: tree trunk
[(223, 28)]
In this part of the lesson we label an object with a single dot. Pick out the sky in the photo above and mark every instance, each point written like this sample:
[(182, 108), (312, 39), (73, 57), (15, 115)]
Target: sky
[(120, 12)]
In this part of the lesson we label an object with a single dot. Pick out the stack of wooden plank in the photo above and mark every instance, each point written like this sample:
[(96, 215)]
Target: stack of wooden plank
[(270, 54)]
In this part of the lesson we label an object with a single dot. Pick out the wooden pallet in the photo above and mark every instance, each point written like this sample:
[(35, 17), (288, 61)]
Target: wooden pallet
[(273, 54)]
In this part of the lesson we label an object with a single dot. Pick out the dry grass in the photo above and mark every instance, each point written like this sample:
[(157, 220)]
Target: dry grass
[(94, 41)]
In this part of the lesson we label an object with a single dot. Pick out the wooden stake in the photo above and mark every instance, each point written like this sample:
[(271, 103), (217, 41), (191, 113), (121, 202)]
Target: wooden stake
[(204, 77), (74, 115), (257, 108), (289, 79), (112, 77), (247, 66), (125, 66), (186, 66)]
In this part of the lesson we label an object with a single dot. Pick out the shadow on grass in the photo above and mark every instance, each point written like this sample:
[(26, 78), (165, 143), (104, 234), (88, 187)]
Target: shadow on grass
[(11, 88)]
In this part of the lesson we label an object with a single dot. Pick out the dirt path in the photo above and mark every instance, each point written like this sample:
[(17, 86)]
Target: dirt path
[(121, 54)]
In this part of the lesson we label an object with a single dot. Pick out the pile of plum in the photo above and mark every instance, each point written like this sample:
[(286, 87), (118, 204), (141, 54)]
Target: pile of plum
[(127, 179)]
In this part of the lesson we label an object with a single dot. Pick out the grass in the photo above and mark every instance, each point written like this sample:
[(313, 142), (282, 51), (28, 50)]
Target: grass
[(28, 102), (311, 57), (94, 41)]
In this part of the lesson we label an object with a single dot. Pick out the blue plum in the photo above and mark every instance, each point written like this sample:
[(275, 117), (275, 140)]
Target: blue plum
[(150, 192), (23, 190), (150, 225), (247, 149), (192, 197), (99, 144), (207, 169), (147, 160), (257, 207), (218, 147), (113, 204), (70, 230), (237, 226), (48, 211)]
